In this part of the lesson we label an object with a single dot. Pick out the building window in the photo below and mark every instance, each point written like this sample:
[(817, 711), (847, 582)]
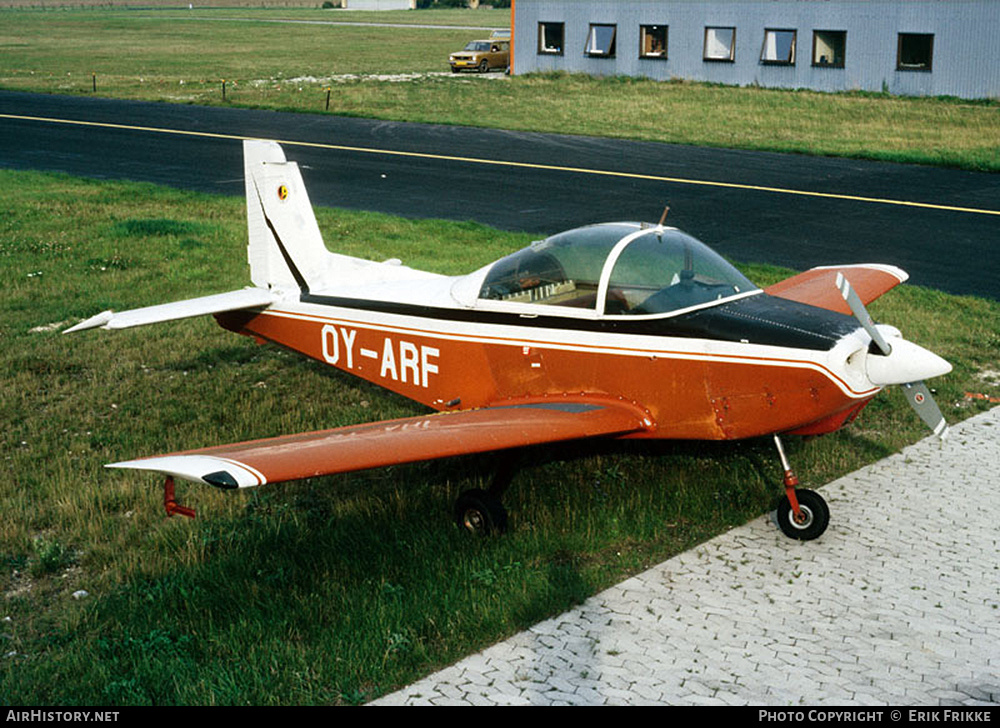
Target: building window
[(914, 52), (829, 48), (653, 41), (601, 40), (550, 38), (720, 44), (778, 48)]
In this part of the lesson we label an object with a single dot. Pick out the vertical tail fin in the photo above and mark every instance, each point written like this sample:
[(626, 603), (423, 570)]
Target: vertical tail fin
[(285, 248)]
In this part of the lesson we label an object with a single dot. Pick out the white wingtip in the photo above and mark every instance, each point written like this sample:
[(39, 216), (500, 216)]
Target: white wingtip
[(93, 322), (220, 472)]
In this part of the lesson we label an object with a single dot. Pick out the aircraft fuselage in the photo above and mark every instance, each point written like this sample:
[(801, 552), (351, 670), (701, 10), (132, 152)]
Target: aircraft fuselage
[(698, 376)]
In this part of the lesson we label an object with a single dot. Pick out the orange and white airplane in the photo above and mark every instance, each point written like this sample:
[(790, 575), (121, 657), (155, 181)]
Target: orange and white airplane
[(618, 330)]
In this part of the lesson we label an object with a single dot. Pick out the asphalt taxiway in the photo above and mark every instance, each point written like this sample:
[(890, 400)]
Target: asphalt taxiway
[(940, 225)]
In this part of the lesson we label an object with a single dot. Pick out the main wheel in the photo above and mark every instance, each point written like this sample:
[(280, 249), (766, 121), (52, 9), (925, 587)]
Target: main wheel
[(813, 520), (484, 66), (480, 513)]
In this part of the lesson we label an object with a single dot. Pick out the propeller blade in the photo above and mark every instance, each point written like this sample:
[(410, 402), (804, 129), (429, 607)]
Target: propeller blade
[(917, 393), (919, 397), (861, 313)]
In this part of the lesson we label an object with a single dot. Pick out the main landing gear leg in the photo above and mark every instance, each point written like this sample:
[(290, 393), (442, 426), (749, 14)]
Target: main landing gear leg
[(802, 513), (480, 511)]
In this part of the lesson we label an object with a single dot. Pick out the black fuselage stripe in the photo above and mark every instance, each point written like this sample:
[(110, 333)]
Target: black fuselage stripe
[(774, 321)]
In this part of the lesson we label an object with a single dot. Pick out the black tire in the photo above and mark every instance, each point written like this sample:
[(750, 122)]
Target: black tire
[(815, 512), (484, 66), (480, 513)]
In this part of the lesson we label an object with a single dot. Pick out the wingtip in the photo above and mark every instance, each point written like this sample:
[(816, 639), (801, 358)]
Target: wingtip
[(94, 322), (197, 468)]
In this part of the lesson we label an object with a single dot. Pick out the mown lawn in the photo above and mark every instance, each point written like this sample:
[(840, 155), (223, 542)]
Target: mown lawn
[(401, 73), (334, 590)]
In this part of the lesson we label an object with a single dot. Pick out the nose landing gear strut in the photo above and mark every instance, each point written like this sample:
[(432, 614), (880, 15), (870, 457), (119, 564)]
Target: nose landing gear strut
[(802, 513)]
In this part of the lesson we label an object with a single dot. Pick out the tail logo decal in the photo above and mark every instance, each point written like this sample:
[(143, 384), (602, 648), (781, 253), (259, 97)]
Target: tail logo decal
[(282, 193)]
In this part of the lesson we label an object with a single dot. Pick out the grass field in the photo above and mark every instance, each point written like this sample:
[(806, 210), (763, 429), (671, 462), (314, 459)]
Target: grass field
[(334, 590), (184, 56), (337, 590)]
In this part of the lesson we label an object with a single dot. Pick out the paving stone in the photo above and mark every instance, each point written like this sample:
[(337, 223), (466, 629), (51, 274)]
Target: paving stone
[(889, 606)]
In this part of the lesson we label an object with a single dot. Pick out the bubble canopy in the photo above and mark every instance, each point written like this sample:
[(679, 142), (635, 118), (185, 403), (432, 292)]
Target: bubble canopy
[(616, 269)]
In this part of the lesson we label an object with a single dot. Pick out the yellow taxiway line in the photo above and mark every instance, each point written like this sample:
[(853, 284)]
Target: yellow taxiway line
[(522, 165)]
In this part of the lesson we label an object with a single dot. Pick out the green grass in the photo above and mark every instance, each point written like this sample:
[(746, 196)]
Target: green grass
[(183, 56), (337, 590), (169, 54), (334, 590)]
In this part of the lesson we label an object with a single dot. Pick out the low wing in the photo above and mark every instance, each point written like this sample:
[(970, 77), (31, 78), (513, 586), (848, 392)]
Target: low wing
[(218, 303), (818, 286), (358, 447)]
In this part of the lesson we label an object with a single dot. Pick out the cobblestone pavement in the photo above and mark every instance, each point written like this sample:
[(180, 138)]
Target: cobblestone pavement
[(898, 603)]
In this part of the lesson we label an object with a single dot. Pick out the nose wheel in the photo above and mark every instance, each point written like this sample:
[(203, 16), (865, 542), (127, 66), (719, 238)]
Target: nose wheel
[(810, 521), (802, 514)]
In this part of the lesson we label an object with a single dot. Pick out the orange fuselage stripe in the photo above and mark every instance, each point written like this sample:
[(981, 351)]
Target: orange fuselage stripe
[(690, 395)]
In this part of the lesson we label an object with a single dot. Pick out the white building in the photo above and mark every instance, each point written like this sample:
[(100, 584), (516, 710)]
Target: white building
[(906, 47), (378, 4)]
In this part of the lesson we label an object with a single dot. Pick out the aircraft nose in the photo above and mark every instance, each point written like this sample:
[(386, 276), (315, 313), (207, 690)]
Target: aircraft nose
[(906, 362)]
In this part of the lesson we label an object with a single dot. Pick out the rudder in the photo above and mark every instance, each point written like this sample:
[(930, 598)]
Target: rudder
[(285, 248)]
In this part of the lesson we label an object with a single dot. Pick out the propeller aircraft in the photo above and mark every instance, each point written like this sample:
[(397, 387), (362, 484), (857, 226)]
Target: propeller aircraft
[(618, 330)]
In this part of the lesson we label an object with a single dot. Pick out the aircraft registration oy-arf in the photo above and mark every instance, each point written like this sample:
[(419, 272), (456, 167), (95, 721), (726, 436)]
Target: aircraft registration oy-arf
[(617, 330)]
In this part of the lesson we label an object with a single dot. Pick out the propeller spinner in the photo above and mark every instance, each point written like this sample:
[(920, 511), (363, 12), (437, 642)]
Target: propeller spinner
[(900, 362)]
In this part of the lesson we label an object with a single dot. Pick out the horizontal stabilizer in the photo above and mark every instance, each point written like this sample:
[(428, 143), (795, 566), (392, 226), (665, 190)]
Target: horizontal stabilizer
[(218, 303), (818, 286), (392, 442)]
